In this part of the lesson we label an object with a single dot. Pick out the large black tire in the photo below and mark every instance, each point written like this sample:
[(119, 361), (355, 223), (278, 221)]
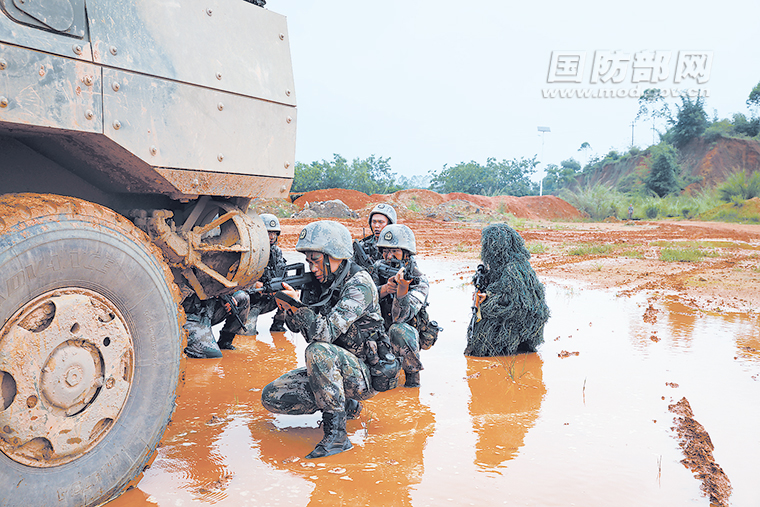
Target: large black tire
[(52, 245)]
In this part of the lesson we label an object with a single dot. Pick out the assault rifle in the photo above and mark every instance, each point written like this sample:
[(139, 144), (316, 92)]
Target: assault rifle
[(388, 269), (479, 280), (297, 279), (230, 305), (361, 257)]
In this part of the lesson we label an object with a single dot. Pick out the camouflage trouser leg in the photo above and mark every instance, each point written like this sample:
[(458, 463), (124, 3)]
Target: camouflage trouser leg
[(331, 375), (405, 343)]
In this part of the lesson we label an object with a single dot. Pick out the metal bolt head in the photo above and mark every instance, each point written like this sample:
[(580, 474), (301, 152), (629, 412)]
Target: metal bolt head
[(153, 150), (89, 114), (220, 157), (287, 164), (220, 106), (283, 188), (77, 49), (209, 11), (115, 86), (113, 50), (289, 119), (3, 64), (287, 92), (3, 102), (219, 76), (87, 80), (116, 124), (110, 382), (282, 36)]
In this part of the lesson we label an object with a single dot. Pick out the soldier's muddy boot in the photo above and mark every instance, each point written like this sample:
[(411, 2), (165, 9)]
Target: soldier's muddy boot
[(278, 322), (225, 340), (353, 408), (412, 379), (335, 439), (200, 339)]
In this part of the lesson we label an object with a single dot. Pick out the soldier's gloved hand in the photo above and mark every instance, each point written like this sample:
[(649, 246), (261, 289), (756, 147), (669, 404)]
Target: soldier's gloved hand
[(305, 320), (402, 286), (478, 298)]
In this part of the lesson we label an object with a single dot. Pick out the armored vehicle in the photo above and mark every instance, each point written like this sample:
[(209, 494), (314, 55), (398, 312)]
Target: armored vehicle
[(133, 136)]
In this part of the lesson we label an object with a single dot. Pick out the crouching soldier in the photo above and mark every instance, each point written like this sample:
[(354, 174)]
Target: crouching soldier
[(262, 303), (348, 357), (232, 309), (381, 215), (402, 296)]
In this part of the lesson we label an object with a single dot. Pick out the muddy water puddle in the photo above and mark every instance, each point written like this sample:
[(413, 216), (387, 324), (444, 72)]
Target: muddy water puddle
[(583, 422)]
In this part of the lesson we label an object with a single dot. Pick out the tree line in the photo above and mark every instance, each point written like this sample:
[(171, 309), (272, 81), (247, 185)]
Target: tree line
[(373, 175)]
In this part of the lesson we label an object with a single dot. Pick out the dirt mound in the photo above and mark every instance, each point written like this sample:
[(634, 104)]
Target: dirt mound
[(413, 198), (326, 209), (457, 209), (420, 203), (352, 198)]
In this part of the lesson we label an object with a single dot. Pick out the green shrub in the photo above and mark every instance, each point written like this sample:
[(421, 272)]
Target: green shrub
[(591, 249), (652, 211), (739, 187), (681, 254), (536, 248)]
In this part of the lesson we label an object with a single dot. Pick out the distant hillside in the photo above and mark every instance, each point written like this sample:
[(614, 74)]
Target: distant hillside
[(707, 163)]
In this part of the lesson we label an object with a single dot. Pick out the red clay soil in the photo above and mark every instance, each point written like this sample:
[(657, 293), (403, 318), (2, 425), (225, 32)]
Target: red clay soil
[(698, 451), (351, 198), (413, 203)]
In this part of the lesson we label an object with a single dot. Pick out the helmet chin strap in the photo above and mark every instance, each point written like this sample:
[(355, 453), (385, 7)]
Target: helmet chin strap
[(326, 267)]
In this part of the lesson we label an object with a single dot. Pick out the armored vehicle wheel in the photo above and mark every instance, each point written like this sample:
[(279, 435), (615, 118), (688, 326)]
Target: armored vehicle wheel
[(90, 351)]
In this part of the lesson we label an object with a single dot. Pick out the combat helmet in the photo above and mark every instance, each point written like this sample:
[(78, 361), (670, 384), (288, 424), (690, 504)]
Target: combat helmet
[(327, 237), (384, 209), (397, 236), (270, 222)]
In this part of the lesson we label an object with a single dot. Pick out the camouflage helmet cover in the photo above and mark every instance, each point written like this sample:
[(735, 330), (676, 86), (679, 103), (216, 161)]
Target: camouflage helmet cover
[(384, 209), (270, 222), (327, 237), (397, 236)]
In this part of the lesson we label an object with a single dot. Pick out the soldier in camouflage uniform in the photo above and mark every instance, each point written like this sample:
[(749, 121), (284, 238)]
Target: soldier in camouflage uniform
[(264, 303), (401, 298), (339, 317), (381, 215)]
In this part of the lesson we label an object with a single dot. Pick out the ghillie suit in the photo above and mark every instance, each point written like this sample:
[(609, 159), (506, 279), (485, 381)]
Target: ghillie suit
[(511, 319)]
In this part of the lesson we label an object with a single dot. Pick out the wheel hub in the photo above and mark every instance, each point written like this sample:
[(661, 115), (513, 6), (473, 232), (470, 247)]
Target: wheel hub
[(72, 375), (66, 367)]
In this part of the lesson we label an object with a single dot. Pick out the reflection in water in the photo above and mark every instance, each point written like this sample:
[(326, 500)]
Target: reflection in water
[(505, 402), (386, 460), (544, 429)]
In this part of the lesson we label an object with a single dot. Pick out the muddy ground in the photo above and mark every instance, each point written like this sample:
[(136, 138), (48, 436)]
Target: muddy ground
[(725, 279)]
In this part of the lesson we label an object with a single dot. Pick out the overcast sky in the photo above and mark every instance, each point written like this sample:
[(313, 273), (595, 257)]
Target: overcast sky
[(429, 83)]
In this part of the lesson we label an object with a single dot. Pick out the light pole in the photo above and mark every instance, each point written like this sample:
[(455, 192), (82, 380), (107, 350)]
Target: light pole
[(543, 131)]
